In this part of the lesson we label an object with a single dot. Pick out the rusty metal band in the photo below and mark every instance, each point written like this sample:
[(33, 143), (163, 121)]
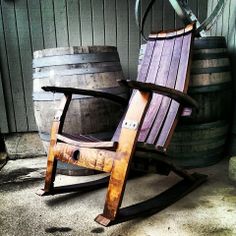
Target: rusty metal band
[(75, 59), (80, 71), (210, 70), (208, 56)]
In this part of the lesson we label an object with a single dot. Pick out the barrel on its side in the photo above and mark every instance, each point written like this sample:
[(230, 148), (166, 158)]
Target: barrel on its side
[(91, 67)]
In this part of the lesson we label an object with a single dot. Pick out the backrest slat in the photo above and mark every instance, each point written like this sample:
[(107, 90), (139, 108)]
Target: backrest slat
[(171, 80), (158, 74), (181, 85)]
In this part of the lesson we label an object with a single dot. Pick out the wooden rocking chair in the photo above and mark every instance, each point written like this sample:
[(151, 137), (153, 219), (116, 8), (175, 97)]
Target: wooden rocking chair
[(155, 105)]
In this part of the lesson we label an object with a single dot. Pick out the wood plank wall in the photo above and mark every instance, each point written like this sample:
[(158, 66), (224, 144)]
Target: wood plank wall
[(226, 26), (29, 25)]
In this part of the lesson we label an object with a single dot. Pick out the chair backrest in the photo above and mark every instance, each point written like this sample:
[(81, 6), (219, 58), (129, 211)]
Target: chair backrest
[(166, 62)]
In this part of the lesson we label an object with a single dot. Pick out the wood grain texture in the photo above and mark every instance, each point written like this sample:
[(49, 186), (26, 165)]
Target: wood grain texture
[(181, 84), (110, 22), (35, 22), (61, 23), (171, 79), (134, 42), (56, 128), (98, 22), (126, 146), (87, 144), (25, 50), (49, 23), (6, 83), (86, 22), (14, 65), (123, 34), (96, 159), (3, 114), (158, 74), (74, 26)]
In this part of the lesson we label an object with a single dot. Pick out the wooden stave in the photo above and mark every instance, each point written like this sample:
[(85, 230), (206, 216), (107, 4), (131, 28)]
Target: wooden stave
[(210, 98), (210, 81), (212, 147), (205, 146)]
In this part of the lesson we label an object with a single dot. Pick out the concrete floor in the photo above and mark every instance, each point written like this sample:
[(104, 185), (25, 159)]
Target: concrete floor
[(209, 210)]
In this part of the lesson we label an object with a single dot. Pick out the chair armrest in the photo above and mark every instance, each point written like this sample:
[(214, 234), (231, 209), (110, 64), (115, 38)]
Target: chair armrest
[(179, 96), (94, 93)]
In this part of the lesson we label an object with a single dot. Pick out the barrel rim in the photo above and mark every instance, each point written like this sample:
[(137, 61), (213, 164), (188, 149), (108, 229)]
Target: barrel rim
[(36, 54)]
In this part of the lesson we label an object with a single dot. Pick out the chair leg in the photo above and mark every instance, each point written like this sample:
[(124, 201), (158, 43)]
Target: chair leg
[(115, 192), (57, 126), (50, 174), (127, 139)]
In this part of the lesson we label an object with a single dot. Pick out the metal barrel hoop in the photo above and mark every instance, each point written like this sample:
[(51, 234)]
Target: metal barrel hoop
[(184, 12)]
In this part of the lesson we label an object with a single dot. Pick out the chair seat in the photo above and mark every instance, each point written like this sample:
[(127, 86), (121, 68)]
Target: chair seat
[(86, 141)]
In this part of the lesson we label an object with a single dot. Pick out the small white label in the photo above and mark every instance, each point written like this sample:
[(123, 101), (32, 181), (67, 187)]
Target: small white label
[(130, 124)]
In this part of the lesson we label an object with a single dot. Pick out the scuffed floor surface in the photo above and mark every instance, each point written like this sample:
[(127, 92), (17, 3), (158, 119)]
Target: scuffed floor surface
[(209, 210)]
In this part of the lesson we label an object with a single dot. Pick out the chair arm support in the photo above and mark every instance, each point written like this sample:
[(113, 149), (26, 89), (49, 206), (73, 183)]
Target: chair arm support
[(179, 96), (94, 93)]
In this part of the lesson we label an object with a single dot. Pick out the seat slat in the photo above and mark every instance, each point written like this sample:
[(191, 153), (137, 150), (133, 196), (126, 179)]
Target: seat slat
[(172, 76), (86, 143), (80, 137), (158, 74), (181, 84)]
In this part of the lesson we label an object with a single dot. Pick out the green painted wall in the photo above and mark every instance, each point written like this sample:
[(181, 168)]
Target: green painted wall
[(226, 26), (29, 25)]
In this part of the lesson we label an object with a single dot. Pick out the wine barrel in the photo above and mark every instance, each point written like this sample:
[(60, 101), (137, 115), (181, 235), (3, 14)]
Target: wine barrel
[(198, 145), (210, 81), (90, 67), (200, 140)]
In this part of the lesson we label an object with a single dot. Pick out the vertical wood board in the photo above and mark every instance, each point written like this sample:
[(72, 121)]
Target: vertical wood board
[(14, 64), (29, 25), (25, 51), (98, 22), (74, 27)]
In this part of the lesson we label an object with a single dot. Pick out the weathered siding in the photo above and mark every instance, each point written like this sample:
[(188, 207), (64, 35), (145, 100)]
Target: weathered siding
[(226, 26), (29, 25)]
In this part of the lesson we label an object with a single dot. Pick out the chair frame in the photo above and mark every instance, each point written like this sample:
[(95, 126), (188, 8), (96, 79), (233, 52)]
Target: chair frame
[(115, 157)]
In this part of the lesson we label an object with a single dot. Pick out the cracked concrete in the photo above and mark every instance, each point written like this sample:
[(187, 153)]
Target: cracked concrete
[(209, 210)]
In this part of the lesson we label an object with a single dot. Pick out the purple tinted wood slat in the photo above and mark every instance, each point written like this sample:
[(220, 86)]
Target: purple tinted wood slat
[(180, 85), (172, 76), (158, 74), (142, 74), (147, 58)]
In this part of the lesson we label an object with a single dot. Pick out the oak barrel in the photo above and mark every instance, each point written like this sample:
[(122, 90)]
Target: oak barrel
[(198, 145), (210, 80), (200, 140), (91, 67)]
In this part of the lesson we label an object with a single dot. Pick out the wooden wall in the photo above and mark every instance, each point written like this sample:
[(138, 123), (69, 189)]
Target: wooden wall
[(29, 25), (226, 26)]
